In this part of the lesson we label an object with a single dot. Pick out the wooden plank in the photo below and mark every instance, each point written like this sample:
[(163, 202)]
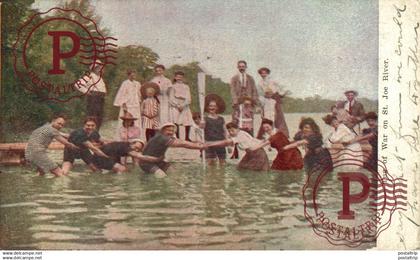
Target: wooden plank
[(22, 146)]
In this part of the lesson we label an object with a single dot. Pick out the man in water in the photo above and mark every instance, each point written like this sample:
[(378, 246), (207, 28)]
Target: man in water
[(159, 144), (116, 150), (87, 139), (40, 139)]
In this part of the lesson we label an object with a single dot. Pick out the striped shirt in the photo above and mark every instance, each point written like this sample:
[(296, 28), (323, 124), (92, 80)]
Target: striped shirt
[(150, 113), (42, 137)]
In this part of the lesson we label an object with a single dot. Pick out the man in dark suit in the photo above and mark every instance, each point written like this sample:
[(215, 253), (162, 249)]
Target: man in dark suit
[(242, 85), (354, 108)]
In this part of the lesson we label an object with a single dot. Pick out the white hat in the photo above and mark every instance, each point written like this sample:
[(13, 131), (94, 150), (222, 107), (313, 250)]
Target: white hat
[(136, 140), (166, 125), (96, 63)]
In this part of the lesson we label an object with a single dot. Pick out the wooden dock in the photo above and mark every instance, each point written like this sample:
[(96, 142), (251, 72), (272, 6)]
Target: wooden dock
[(14, 153)]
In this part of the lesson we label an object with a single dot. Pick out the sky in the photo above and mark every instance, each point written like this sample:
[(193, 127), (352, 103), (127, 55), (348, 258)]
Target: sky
[(312, 47)]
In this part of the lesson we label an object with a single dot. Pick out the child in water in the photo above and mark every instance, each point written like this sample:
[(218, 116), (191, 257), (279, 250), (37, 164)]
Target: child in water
[(214, 129)]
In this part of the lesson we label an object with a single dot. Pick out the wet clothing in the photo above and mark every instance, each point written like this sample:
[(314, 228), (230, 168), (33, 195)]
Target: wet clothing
[(252, 160), (215, 131), (157, 147), (36, 150), (79, 137), (316, 155), (115, 151), (256, 161), (285, 160)]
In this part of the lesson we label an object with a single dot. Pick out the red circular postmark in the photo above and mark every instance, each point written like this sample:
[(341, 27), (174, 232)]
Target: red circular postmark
[(60, 54), (350, 202)]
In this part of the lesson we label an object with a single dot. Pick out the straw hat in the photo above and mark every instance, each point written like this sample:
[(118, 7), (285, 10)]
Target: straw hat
[(221, 105), (371, 115), (328, 119), (351, 91), (128, 117), (167, 125), (136, 140), (147, 85), (246, 98), (95, 64)]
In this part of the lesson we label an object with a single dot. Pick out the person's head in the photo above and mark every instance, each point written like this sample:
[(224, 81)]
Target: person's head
[(212, 108), (179, 76), (232, 128), (247, 102), (150, 92), (333, 109), (58, 122), (159, 70), (242, 66), (308, 126), (350, 94), (196, 117), (168, 129), (96, 67), (267, 125), (137, 145), (89, 124), (131, 74), (371, 119), (264, 72), (331, 120), (127, 123)]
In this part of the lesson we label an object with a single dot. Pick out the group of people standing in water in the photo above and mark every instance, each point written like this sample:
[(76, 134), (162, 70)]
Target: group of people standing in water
[(152, 113)]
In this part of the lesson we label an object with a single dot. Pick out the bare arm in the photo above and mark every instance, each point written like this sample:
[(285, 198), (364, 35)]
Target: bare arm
[(186, 144), (226, 142), (95, 149), (360, 138), (64, 135), (295, 144), (64, 141), (144, 158), (261, 145)]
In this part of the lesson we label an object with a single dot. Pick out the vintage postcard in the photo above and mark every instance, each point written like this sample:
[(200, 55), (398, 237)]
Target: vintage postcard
[(209, 125)]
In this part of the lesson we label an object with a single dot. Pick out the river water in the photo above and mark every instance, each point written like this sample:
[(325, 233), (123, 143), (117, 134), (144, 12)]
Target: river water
[(192, 208)]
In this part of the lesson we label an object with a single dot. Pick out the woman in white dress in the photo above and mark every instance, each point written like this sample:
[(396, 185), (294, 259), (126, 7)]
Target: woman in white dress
[(164, 85), (179, 104), (350, 154), (271, 94)]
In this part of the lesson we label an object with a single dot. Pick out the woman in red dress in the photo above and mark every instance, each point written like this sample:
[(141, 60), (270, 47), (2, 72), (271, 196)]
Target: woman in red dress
[(286, 159)]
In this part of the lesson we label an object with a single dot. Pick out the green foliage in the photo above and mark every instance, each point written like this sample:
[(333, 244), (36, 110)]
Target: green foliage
[(23, 111)]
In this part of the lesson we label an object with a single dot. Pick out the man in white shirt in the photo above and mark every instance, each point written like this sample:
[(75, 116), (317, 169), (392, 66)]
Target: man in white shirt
[(128, 98), (94, 87)]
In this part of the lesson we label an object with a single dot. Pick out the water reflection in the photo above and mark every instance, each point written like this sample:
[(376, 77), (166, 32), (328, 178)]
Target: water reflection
[(191, 209)]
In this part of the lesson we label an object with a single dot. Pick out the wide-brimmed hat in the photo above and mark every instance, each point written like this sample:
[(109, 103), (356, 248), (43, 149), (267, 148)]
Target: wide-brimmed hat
[(329, 118), (147, 85), (246, 98), (96, 63), (128, 116), (167, 125), (221, 105), (134, 140), (351, 91), (371, 115)]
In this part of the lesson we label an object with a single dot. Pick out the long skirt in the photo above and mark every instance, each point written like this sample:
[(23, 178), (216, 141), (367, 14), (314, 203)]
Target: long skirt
[(256, 161)]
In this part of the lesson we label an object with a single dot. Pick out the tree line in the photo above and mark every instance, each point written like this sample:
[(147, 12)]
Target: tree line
[(23, 111)]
